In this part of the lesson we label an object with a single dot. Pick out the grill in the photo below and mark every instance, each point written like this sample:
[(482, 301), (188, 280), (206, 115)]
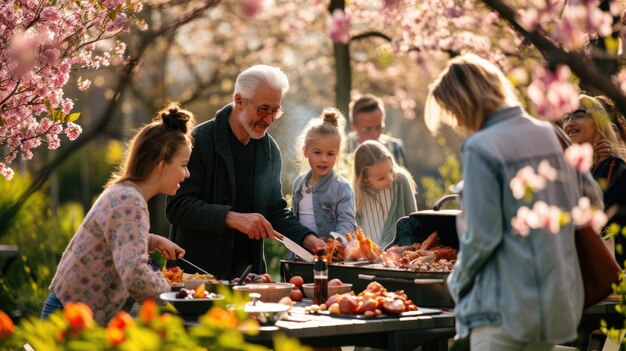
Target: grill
[(426, 289)]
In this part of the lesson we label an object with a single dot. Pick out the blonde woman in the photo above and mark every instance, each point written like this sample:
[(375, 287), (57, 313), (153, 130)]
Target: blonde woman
[(590, 123), (512, 291)]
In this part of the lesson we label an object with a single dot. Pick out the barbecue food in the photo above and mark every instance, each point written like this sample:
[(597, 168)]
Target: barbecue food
[(173, 275), (372, 301), (358, 247), (428, 255)]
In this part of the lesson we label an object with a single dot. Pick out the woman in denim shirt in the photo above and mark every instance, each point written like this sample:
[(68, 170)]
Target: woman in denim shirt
[(513, 290), (322, 199)]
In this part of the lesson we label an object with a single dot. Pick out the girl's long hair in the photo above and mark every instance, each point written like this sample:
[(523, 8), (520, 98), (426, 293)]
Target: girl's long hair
[(369, 153)]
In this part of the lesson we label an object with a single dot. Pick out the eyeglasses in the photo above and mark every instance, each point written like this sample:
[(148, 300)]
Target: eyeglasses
[(576, 115), (371, 129), (264, 111)]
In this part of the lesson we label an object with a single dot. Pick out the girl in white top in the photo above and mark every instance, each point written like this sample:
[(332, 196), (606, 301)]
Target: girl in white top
[(384, 192), (323, 201)]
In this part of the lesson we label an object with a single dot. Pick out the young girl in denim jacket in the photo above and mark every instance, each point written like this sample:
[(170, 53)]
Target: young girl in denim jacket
[(323, 200), (384, 192)]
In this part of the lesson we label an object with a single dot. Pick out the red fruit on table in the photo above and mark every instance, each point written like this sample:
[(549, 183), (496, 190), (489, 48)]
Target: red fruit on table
[(295, 295), (297, 281), (266, 278)]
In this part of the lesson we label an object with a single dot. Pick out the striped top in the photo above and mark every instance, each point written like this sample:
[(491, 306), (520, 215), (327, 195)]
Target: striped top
[(374, 214)]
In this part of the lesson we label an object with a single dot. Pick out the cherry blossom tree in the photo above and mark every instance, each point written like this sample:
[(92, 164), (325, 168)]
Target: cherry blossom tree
[(42, 42)]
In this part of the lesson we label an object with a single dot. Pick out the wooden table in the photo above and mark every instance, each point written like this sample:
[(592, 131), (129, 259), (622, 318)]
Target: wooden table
[(400, 333), (431, 332)]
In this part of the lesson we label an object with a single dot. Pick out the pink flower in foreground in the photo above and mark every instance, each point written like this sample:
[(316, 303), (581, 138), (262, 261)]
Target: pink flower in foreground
[(541, 216), (552, 93), (579, 156), (584, 214), (73, 130), (526, 181), (519, 222), (338, 24), (545, 217), (547, 171)]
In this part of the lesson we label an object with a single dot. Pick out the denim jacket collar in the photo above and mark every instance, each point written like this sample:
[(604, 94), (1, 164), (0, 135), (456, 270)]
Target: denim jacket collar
[(322, 185), (503, 114)]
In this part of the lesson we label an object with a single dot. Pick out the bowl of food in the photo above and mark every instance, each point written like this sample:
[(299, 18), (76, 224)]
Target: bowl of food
[(270, 292), (192, 281), (333, 289), (267, 313), (186, 302)]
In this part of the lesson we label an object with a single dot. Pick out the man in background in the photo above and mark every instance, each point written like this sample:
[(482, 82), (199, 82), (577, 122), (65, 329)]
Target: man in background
[(367, 118)]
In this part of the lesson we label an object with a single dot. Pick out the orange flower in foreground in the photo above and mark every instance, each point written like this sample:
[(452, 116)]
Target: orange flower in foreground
[(147, 311), (121, 321), (115, 336), (222, 318), (78, 315), (6, 325)]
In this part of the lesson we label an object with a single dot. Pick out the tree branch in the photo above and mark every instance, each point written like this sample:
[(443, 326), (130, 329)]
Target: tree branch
[(7, 215), (586, 70)]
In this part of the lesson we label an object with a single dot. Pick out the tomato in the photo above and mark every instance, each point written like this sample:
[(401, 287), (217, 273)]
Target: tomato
[(297, 281), (266, 278), (296, 294)]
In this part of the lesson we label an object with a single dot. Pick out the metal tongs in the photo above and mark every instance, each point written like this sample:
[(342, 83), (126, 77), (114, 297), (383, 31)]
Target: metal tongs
[(194, 266)]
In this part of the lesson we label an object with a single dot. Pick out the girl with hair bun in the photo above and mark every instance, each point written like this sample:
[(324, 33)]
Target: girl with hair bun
[(106, 262), (323, 200)]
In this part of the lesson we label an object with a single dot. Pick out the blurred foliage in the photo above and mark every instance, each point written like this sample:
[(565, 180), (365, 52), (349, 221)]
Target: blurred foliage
[(73, 328), (435, 188), (41, 236)]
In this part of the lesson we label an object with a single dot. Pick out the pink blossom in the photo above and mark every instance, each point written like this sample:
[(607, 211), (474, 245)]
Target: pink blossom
[(585, 215), (84, 84), (541, 216), (391, 3), (73, 131), (53, 141), (251, 8), (579, 156), (338, 24), (552, 93), (519, 222), (6, 171), (529, 19), (547, 171), (526, 181)]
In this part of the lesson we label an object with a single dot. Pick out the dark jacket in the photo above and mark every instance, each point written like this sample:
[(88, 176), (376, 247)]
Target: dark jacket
[(197, 212)]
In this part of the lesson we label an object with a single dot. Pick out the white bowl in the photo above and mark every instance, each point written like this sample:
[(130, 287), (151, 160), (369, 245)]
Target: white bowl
[(266, 313), (270, 292)]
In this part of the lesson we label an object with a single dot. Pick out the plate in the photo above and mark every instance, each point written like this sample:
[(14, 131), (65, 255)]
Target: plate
[(192, 307), (176, 286), (420, 312)]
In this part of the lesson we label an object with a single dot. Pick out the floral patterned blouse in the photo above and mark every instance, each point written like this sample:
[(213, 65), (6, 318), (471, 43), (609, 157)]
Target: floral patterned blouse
[(106, 262)]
